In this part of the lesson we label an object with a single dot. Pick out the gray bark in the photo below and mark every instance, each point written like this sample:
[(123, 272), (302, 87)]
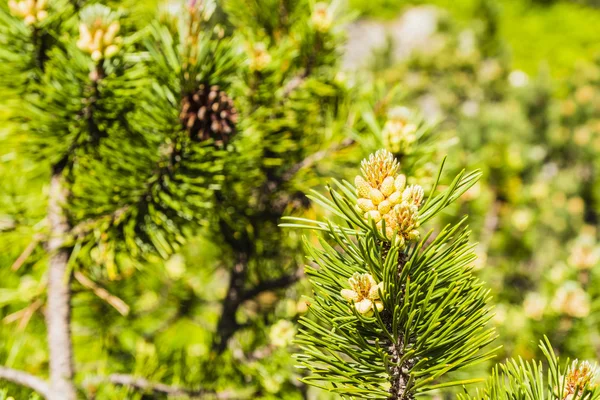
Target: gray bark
[(58, 312), (25, 379)]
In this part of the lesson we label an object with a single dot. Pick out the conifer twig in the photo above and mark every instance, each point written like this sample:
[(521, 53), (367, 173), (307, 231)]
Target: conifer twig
[(25, 379)]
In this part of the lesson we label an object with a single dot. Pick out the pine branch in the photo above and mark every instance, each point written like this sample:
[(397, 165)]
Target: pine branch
[(40, 41), (532, 380), (384, 304), (85, 227), (25, 379)]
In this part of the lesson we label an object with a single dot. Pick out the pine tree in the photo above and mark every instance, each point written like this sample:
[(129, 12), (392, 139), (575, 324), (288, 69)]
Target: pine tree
[(151, 131)]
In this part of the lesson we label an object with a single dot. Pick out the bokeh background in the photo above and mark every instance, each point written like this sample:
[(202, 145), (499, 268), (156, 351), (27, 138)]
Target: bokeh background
[(510, 87)]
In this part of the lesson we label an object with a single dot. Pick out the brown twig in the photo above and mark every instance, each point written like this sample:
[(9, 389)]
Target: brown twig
[(37, 238), (236, 295), (24, 315), (145, 385), (102, 293), (25, 379)]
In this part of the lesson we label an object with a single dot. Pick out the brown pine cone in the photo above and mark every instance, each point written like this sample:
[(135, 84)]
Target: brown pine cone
[(209, 113)]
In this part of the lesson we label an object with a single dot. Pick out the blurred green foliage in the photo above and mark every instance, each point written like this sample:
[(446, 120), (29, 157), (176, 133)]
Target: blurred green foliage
[(558, 33)]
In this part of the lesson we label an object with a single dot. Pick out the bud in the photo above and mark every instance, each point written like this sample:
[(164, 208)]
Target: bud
[(111, 32), (395, 198), (362, 187), (391, 224), (534, 306), (366, 205), (376, 196), (384, 207), (375, 215), (259, 57), (571, 300), (98, 32), (96, 55), (413, 194), (282, 333), (111, 51), (31, 11), (397, 206), (387, 186), (400, 182), (321, 17), (407, 215), (580, 376), (364, 293), (399, 133), (585, 254), (378, 167)]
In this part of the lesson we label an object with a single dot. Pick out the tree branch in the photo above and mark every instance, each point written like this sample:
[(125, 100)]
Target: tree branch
[(145, 385), (155, 387), (24, 379), (236, 295), (227, 324), (58, 311), (277, 283)]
